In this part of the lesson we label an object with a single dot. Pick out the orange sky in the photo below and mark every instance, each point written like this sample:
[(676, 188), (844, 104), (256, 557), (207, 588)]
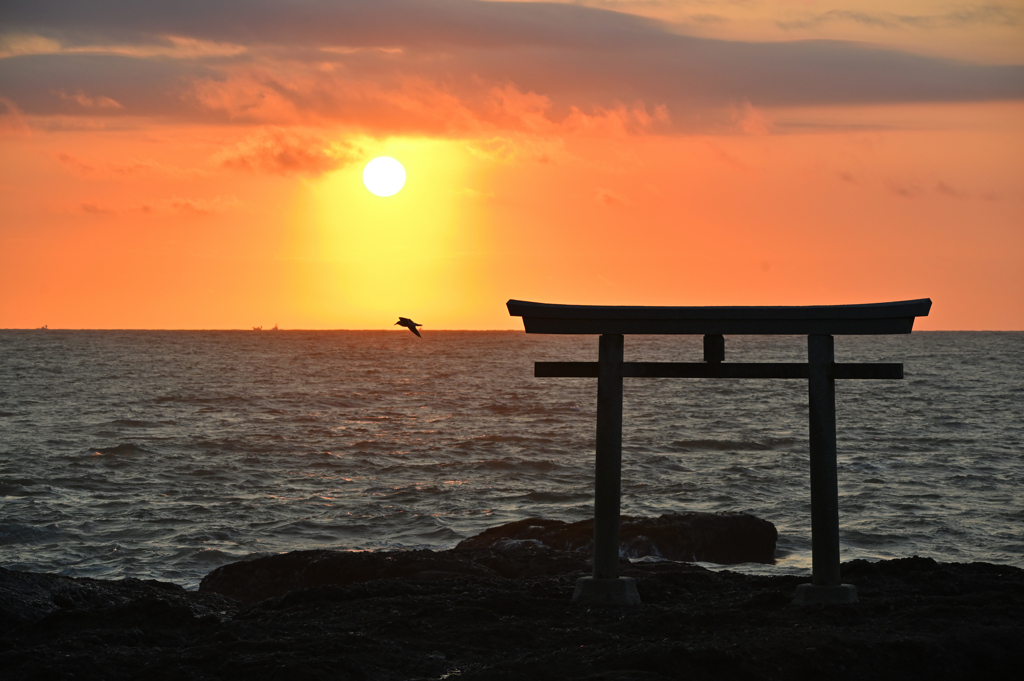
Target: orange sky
[(198, 165)]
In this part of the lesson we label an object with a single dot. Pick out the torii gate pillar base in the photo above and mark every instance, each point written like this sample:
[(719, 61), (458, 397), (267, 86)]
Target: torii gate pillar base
[(606, 591), (814, 594)]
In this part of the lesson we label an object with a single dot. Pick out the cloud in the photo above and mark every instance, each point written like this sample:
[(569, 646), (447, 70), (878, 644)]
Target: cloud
[(12, 121), (946, 190), (473, 194), (40, 84), (997, 15), (452, 67), (969, 15), (147, 166), (172, 206), (285, 152), (951, 192), (609, 198), (13, 45), (905, 190), (191, 207), (75, 164), (96, 209), (86, 102), (752, 120), (495, 149), (134, 167), (515, 146)]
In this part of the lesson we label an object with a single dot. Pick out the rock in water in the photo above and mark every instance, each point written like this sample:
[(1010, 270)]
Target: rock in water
[(535, 547), (724, 538)]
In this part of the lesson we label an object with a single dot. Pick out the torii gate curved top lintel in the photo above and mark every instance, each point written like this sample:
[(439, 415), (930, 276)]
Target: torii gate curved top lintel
[(818, 322)]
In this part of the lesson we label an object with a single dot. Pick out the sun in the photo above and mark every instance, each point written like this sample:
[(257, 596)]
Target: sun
[(384, 176)]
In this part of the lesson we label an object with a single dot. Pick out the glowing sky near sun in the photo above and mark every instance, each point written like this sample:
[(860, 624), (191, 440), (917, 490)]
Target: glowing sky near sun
[(200, 164)]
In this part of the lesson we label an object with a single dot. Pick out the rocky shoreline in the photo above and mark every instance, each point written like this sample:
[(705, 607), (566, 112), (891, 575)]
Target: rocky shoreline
[(449, 614)]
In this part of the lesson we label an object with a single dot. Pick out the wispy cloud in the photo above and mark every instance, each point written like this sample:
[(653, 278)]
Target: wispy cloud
[(608, 197), (75, 164), (96, 209), (191, 207), (12, 121), (287, 152), (968, 15), (90, 102), (136, 167)]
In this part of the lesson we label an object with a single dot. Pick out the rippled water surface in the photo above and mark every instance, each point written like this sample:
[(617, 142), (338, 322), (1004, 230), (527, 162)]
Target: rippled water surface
[(165, 454)]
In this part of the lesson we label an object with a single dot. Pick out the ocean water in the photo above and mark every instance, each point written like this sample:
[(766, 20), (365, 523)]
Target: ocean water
[(166, 454)]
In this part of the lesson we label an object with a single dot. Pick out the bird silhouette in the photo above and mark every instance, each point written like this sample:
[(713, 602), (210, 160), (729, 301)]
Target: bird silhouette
[(409, 324)]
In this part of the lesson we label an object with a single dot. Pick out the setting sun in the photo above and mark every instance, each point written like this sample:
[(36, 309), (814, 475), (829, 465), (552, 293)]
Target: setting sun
[(367, 256), (384, 176)]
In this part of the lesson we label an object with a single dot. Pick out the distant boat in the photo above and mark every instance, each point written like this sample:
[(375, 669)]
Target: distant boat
[(257, 328), (275, 328), (44, 327)]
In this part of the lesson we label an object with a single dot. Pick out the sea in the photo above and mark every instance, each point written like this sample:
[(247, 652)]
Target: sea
[(165, 454)]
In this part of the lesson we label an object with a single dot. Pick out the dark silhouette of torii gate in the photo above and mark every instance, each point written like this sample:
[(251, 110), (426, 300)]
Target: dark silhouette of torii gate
[(818, 322)]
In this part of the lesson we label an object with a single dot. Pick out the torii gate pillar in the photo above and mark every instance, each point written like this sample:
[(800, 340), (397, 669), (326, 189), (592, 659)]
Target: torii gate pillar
[(606, 586), (825, 586)]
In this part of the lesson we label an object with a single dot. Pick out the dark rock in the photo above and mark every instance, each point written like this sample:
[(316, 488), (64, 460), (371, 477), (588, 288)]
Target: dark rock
[(256, 580), (534, 547), (27, 597), (916, 619), (724, 538)]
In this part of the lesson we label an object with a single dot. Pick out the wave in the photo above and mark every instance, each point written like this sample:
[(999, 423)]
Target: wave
[(721, 445), (133, 423), (203, 557), (556, 497), (510, 464), (506, 409), (16, 487), (18, 533), (123, 449), (508, 438), (197, 399)]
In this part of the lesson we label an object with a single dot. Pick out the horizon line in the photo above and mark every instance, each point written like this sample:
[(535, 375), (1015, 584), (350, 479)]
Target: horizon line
[(399, 331)]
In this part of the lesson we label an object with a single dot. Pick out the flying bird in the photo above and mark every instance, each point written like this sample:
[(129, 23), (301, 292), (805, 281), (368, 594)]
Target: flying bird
[(409, 324)]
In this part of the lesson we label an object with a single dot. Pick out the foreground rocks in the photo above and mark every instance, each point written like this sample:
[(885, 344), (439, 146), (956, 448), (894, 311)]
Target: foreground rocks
[(917, 619), (256, 580)]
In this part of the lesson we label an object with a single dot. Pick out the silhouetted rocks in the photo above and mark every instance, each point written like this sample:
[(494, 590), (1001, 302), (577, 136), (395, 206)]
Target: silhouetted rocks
[(916, 619), (34, 598), (724, 538), (256, 580), (535, 547)]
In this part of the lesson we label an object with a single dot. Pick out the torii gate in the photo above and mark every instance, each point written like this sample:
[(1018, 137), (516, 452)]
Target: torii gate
[(818, 322)]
